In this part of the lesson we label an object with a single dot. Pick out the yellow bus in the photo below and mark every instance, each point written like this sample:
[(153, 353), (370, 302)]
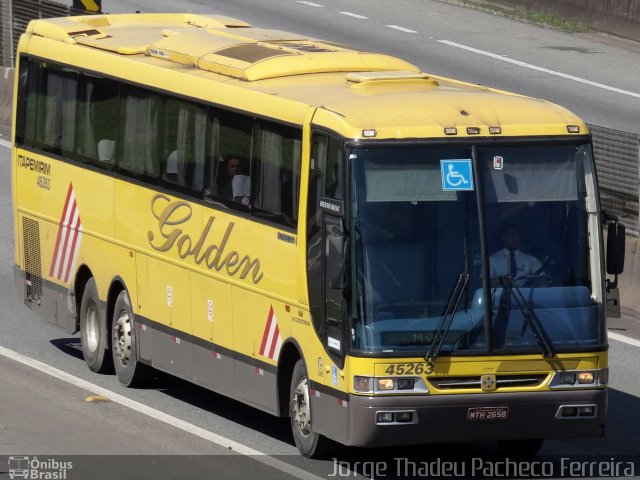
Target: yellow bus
[(385, 256)]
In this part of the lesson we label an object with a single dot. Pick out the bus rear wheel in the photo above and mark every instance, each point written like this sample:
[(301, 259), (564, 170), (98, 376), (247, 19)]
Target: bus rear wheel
[(310, 443), (94, 334), (130, 371)]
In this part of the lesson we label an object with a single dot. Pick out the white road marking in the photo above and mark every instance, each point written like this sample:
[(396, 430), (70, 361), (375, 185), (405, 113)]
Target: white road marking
[(158, 415), (310, 4), (4, 143), (540, 69), (354, 15), (624, 339), (402, 29)]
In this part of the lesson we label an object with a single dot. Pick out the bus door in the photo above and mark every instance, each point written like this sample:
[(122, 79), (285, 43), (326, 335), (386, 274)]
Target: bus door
[(326, 252)]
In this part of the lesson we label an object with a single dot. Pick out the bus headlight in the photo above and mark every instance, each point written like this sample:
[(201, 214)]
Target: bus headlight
[(386, 384), (580, 379)]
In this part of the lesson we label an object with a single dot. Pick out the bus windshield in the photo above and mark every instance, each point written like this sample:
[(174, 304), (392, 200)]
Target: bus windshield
[(414, 237)]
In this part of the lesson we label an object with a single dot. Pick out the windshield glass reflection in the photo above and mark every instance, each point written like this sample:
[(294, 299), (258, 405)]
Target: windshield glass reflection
[(537, 224), (411, 241)]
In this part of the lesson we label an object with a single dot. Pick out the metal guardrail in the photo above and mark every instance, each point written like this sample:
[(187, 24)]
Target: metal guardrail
[(16, 14), (617, 156)]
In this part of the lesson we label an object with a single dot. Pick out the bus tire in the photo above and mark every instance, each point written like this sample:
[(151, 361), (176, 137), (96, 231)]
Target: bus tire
[(94, 333), (520, 448), (310, 443), (130, 371)]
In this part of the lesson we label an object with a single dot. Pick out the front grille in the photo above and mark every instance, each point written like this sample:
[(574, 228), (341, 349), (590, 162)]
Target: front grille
[(475, 382), (32, 262)]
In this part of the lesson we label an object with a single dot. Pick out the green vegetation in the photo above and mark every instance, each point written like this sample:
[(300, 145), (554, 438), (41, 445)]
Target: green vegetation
[(539, 17)]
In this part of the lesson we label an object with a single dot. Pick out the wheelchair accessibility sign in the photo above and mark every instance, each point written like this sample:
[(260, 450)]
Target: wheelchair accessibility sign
[(456, 175)]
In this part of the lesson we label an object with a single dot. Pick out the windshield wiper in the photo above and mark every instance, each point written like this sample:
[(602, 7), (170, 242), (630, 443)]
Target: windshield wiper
[(529, 315), (447, 318)]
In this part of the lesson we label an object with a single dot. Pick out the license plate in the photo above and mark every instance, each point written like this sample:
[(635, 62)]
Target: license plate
[(488, 413)]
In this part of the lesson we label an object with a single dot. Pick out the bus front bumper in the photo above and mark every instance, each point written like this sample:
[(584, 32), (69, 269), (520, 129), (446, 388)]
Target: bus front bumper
[(464, 417)]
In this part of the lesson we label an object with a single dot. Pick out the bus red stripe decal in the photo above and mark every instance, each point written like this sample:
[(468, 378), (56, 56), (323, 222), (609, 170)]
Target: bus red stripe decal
[(72, 253), (66, 233), (274, 341), (65, 244), (265, 335), (70, 244), (64, 213)]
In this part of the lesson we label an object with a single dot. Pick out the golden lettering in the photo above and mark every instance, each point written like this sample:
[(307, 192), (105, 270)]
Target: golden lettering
[(231, 261), (251, 265), (166, 218), (215, 263), (203, 236), (170, 215), (184, 246)]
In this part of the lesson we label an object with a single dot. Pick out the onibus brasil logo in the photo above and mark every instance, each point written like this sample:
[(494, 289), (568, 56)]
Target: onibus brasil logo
[(38, 469)]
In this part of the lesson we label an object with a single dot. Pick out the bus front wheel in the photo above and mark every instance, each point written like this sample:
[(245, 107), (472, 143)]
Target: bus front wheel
[(94, 334), (129, 370), (310, 443)]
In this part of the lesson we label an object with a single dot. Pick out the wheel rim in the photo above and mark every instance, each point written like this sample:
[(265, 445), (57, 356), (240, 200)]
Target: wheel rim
[(122, 338), (301, 412), (92, 326)]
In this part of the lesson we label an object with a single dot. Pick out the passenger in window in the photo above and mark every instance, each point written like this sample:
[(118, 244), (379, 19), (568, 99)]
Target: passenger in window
[(232, 166), (241, 187), (525, 269)]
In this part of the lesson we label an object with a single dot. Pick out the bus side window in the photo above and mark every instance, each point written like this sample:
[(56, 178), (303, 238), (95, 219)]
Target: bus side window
[(98, 120), (229, 136), (334, 175), (52, 116), (26, 75), (183, 152), (140, 152), (32, 80), (68, 113), (276, 173)]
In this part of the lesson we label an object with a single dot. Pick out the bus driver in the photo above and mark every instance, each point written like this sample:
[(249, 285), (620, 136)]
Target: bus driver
[(510, 260)]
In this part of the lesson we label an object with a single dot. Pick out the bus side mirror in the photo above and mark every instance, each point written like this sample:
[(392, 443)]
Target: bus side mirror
[(615, 248), (615, 265)]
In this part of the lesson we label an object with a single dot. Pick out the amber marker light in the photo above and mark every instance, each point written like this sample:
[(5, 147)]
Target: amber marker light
[(573, 129), (450, 131), (370, 132), (361, 384)]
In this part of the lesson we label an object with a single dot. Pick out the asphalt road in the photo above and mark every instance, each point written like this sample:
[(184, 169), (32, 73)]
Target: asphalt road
[(48, 416), (44, 418)]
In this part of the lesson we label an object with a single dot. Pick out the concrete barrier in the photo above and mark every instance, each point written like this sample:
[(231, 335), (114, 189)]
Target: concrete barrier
[(6, 99), (629, 281), (617, 17)]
